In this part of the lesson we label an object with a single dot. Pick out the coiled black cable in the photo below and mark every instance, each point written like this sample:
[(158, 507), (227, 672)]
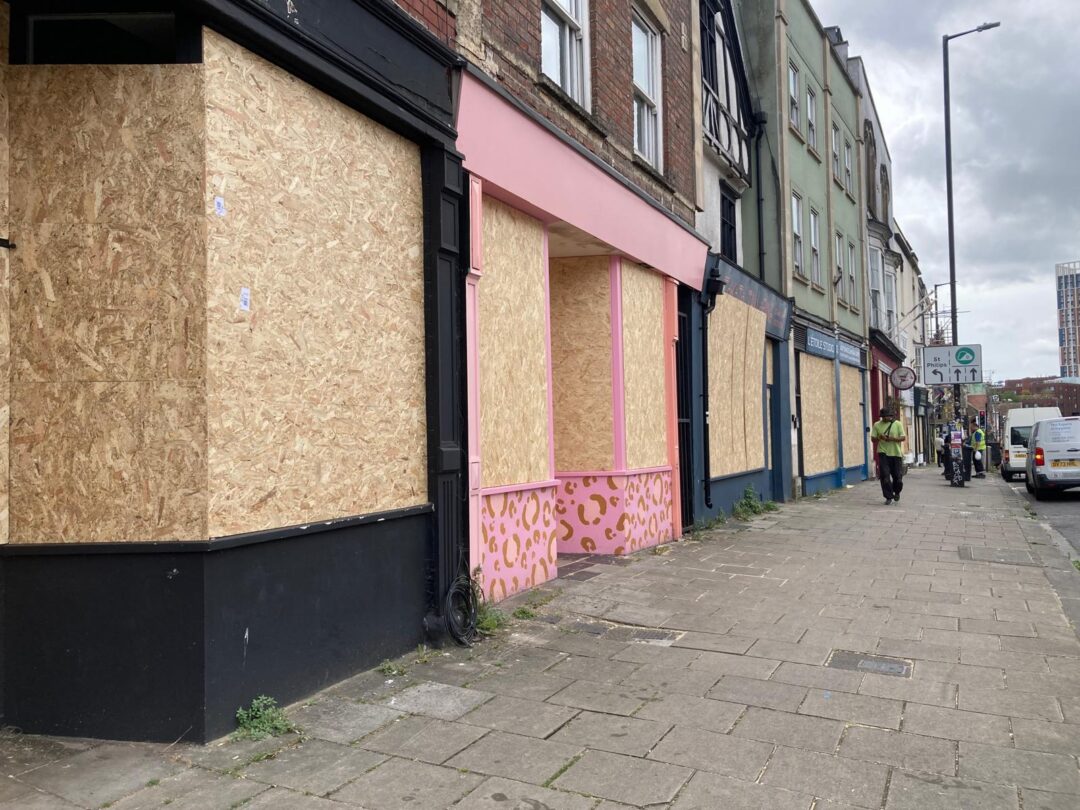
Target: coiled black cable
[(460, 608)]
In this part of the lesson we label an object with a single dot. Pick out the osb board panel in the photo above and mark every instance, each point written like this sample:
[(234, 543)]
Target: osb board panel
[(5, 307), (316, 402), (513, 349), (106, 144), (96, 303), (643, 367), (753, 391), (819, 438), (105, 461), (727, 370), (581, 363), (107, 303), (852, 413)]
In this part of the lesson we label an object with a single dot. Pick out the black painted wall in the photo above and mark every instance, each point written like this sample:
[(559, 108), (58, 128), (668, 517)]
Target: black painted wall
[(160, 645)]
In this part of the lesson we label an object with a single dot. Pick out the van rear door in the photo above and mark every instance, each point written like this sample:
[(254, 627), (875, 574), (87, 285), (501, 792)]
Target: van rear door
[(1060, 442), (1018, 440)]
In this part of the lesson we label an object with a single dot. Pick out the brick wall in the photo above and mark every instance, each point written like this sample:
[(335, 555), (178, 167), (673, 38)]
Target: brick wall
[(502, 37), (434, 16)]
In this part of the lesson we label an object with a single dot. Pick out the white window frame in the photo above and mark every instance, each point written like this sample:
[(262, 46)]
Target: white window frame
[(796, 235), (847, 165), (572, 16), (651, 149), (793, 96), (890, 303), (815, 246), (811, 118), (853, 290), (838, 249), (877, 259), (836, 151)]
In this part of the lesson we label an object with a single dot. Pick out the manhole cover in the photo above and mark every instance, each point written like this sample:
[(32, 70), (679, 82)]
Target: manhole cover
[(1006, 556), (640, 634), (878, 664)]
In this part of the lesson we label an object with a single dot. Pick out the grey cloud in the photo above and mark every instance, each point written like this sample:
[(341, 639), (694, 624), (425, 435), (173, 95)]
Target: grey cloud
[(1015, 119)]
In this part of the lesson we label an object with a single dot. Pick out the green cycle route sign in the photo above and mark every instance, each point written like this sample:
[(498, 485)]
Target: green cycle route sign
[(952, 365)]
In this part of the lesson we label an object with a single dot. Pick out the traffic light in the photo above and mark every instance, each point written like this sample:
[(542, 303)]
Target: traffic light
[(982, 418)]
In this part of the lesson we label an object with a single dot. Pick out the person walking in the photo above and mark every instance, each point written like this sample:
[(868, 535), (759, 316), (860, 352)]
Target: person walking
[(978, 448), (888, 436)]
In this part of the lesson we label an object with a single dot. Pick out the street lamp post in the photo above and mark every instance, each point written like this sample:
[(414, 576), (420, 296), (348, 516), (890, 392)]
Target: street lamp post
[(948, 186)]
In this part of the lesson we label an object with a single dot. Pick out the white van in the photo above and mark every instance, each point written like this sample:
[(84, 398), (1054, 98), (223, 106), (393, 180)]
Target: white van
[(1018, 424), (1053, 462)]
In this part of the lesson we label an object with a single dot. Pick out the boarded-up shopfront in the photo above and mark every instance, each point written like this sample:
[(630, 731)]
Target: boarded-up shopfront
[(830, 410), (222, 299), (733, 388), (571, 354)]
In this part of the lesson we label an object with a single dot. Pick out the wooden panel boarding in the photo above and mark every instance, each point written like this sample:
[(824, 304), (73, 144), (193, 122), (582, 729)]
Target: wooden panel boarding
[(315, 374), (852, 413), (513, 349), (819, 436), (581, 363), (108, 420), (643, 367)]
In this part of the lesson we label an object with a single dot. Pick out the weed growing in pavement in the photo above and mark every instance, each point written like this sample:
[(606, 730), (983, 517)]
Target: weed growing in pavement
[(153, 783), (562, 770), (262, 719), (660, 551), (1076, 564), (524, 612), (750, 505), (391, 669), (423, 654), (488, 619)]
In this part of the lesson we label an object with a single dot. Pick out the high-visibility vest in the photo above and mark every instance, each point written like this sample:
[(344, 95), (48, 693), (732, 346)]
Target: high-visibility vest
[(978, 439)]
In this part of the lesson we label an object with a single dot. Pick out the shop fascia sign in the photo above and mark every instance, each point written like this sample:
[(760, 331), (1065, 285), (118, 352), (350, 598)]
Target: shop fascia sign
[(825, 345), (750, 291)]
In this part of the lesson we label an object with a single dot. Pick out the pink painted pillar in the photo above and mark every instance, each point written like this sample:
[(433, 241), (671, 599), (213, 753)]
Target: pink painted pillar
[(472, 362), (671, 337)]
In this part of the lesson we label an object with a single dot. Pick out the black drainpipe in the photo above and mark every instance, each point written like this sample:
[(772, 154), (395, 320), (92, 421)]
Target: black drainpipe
[(759, 125), (714, 286), (709, 307)]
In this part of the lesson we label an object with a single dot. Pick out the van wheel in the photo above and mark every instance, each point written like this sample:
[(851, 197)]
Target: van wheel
[(1041, 493), (1007, 476), (1027, 484)]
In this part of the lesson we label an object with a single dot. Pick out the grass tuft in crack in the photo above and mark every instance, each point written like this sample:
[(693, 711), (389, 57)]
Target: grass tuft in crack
[(262, 719)]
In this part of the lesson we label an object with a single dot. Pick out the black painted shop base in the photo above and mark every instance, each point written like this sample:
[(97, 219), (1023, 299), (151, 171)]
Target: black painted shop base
[(164, 641)]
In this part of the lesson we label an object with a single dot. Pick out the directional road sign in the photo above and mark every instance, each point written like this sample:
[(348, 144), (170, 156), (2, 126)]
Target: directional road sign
[(951, 365)]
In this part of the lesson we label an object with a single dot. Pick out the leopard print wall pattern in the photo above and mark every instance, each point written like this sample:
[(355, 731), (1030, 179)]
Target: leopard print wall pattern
[(517, 541), (613, 514)]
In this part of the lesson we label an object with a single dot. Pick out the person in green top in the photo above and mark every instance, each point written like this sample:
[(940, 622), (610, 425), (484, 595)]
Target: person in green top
[(888, 436)]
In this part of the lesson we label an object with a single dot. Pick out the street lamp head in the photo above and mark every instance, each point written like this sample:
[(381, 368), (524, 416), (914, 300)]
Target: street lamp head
[(988, 26)]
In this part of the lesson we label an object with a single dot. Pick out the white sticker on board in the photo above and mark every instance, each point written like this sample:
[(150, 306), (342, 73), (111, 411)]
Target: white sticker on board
[(219, 206), (245, 299)]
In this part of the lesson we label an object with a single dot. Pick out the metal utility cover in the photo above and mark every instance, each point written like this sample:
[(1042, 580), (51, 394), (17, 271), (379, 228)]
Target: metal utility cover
[(1005, 556), (877, 664)]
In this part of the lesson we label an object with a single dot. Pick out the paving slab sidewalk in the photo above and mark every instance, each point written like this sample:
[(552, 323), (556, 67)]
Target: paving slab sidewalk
[(694, 676)]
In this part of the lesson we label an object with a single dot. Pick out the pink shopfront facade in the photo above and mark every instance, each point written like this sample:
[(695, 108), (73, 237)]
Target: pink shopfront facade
[(571, 328)]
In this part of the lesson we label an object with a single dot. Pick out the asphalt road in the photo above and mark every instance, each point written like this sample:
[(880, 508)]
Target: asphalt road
[(1062, 511)]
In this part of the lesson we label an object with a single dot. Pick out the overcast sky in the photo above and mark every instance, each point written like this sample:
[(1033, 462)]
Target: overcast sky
[(1016, 172)]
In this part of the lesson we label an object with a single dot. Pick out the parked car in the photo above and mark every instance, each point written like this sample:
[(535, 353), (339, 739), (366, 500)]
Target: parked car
[(1053, 462), (1014, 442)]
